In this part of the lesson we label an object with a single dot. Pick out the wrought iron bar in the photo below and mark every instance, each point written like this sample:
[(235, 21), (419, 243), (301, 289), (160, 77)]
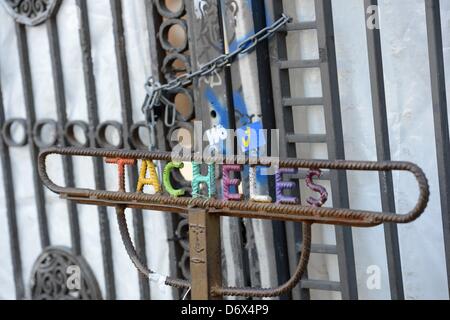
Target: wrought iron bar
[(248, 257), (31, 120), (127, 121), (99, 171), (439, 96), (206, 43), (8, 185), (384, 153), (267, 102), (58, 81), (284, 120), (154, 22), (335, 143)]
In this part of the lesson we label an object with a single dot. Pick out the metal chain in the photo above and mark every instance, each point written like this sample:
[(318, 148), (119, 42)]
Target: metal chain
[(155, 90)]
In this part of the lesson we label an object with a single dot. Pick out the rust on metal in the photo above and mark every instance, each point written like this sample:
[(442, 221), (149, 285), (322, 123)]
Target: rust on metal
[(247, 209), (206, 258), (205, 212), (121, 164)]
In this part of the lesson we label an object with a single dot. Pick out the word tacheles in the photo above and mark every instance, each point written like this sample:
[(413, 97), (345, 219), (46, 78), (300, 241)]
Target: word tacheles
[(148, 176), (168, 198)]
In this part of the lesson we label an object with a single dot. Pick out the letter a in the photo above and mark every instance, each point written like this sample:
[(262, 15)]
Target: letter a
[(152, 180)]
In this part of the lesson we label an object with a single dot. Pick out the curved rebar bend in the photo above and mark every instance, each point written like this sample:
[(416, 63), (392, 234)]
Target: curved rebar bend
[(131, 251), (285, 288), (241, 292), (264, 210), (339, 216)]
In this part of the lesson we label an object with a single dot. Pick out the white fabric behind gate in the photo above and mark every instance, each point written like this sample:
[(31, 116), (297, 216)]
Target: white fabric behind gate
[(410, 121)]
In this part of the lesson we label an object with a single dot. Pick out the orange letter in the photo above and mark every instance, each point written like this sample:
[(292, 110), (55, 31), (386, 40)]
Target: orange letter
[(121, 163)]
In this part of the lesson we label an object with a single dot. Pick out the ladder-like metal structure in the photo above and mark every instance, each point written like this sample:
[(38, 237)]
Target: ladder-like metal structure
[(284, 103)]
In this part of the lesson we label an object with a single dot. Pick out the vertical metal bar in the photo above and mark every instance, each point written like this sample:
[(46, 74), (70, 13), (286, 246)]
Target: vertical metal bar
[(265, 84), (125, 96), (335, 142), (205, 253), (245, 229), (156, 52), (221, 12), (433, 15), (58, 81), (99, 170), (284, 119), (157, 56), (8, 185), (384, 153), (201, 51), (31, 118)]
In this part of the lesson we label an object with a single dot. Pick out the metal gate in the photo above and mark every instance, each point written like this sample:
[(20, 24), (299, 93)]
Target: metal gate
[(183, 36)]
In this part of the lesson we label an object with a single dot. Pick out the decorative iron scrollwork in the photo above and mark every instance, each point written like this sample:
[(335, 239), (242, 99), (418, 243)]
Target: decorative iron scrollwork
[(59, 275), (31, 12), (210, 31)]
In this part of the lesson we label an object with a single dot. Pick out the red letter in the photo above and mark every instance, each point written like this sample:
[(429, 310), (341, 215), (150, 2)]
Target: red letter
[(121, 163)]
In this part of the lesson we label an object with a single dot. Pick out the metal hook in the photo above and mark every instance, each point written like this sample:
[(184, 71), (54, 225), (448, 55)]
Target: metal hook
[(153, 98), (170, 113)]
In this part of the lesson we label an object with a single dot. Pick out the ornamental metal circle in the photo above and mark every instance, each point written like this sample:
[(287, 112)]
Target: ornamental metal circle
[(59, 275), (31, 12)]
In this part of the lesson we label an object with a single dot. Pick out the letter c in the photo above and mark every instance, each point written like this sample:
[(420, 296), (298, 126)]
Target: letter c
[(166, 179)]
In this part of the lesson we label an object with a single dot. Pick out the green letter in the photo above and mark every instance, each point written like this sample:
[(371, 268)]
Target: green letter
[(166, 179), (209, 180)]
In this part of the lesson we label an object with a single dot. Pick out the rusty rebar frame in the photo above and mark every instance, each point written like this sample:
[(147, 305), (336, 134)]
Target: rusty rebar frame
[(271, 211), (433, 24), (122, 200)]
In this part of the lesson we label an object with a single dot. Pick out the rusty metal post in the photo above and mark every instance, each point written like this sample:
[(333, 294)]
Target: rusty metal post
[(205, 253)]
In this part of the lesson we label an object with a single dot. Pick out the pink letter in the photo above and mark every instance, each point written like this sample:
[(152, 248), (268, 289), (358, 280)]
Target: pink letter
[(227, 182)]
